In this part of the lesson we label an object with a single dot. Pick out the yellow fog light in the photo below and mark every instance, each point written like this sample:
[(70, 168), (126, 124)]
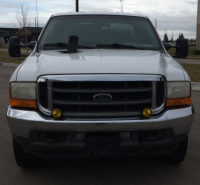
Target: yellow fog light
[(57, 113), (146, 112)]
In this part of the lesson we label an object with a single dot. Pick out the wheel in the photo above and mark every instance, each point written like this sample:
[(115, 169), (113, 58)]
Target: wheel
[(23, 159), (179, 155)]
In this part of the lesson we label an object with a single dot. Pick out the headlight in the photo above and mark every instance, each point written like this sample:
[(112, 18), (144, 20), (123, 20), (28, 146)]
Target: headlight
[(178, 89), (24, 91), (178, 93), (23, 94)]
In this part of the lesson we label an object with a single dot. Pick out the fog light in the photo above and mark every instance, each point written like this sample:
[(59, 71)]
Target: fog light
[(80, 136), (125, 135), (57, 113), (146, 112)]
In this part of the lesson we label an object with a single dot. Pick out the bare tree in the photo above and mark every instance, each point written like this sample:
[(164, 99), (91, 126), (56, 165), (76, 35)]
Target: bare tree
[(22, 15)]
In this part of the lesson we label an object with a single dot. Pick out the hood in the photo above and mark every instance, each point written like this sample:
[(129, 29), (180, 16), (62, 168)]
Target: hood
[(100, 61)]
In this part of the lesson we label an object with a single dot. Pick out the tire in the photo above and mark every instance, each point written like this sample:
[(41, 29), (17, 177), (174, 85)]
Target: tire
[(179, 155), (23, 159)]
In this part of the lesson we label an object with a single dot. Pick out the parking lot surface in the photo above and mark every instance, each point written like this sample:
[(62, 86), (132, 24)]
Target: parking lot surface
[(96, 171)]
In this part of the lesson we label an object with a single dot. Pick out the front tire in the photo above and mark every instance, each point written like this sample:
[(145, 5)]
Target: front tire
[(23, 159), (179, 155)]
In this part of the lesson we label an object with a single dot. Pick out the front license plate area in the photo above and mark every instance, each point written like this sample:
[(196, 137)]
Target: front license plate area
[(102, 145)]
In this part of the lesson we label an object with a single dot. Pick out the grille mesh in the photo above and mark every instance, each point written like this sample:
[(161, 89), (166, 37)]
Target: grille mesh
[(76, 99)]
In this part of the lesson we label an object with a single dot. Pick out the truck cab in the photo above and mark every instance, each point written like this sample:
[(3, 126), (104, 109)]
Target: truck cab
[(99, 84)]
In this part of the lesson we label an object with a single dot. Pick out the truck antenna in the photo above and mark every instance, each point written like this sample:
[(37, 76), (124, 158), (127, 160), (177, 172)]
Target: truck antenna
[(37, 25), (121, 4)]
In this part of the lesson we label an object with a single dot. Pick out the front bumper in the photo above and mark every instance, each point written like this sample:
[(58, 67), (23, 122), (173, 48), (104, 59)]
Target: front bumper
[(21, 122), (27, 125)]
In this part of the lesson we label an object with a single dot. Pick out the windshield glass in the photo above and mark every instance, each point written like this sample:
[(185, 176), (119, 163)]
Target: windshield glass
[(99, 31)]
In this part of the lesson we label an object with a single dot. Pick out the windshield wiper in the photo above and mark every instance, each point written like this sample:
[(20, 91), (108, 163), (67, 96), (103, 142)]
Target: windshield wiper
[(116, 45), (61, 44), (86, 47)]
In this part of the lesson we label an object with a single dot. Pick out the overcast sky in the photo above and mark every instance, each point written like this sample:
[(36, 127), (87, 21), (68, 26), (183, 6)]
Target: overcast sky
[(177, 15)]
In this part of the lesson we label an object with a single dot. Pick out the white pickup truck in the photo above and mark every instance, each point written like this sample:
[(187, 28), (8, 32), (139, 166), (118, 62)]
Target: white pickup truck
[(99, 84)]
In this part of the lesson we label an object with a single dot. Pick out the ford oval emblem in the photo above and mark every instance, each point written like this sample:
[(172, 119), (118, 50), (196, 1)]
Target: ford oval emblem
[(102, 97)]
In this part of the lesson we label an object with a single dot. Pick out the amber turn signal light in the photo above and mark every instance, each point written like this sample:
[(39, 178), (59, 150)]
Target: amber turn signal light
[(23, 103), (178, 102)]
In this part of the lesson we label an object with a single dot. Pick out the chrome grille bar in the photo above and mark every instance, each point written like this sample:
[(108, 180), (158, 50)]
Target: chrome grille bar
[(102, 91), (50, 104), (61, 102), (154, 95)]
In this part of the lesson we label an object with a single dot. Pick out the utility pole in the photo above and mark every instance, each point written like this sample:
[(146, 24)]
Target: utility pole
[(77, 5), (198, 27), (156, 24)]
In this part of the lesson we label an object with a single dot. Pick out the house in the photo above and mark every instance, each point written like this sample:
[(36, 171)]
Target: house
[(191, 44), (31, 33), (6, 33), (2, 36)]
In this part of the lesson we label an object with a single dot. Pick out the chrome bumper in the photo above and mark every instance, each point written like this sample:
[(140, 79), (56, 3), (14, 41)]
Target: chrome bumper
[(21, 122)]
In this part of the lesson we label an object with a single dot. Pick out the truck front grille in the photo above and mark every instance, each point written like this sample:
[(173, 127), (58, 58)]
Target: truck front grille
[(77, 98)]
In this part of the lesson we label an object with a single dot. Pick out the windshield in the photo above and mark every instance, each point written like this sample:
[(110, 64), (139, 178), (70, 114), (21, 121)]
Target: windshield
[(97, 31)]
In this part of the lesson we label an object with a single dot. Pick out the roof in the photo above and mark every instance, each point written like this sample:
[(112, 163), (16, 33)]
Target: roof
[(99, 13), (23, 31), (29, 30), (34, 30), (1, 28), (11, 31)]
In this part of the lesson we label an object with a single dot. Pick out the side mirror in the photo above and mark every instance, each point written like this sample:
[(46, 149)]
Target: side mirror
[(32, 45), (181, 48), (14, 46), (167, 46)]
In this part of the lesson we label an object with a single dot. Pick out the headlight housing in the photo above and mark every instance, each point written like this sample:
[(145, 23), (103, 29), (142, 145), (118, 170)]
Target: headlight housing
[(178, 89), (23, 94), (24, 91), (178, 93)]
